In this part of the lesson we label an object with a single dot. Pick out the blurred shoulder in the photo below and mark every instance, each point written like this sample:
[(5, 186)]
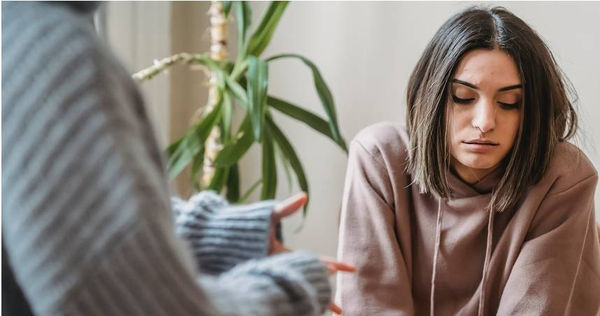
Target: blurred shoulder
[(383, 140)]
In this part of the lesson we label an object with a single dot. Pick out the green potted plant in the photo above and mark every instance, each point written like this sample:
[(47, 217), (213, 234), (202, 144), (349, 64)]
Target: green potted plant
[(212, 145)]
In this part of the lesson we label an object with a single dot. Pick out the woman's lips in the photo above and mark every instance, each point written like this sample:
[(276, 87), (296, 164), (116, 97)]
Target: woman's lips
[(480, 146)]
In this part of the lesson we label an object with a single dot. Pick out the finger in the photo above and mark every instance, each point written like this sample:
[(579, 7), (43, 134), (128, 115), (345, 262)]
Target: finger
[(334, 308), (290, 205), (278, 247), (335, 266)]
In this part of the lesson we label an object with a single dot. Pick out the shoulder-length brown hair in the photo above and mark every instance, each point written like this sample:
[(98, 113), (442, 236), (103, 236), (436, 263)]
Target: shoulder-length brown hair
[(547, 115)]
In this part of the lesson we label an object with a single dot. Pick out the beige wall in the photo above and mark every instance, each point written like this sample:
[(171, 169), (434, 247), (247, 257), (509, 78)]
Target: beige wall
[(189, 25), (366, 52), (138, 33)]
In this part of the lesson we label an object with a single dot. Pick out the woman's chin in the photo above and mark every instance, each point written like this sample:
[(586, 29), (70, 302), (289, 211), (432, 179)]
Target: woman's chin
[(479, 164)]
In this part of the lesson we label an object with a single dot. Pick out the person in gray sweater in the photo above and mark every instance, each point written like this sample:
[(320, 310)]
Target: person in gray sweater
[(88, 225)]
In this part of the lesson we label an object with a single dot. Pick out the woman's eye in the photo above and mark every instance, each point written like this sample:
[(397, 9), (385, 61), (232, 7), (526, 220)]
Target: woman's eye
[(461, 100), (510, 106)]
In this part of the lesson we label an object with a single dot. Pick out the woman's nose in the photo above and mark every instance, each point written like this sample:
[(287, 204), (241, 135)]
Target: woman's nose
[(484, 117)]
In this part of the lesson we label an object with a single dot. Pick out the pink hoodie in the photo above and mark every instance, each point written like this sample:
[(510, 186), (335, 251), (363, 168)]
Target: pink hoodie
[(540, 258)]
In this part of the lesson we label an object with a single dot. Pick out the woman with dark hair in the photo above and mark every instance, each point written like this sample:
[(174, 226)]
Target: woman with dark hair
[(479, 206)]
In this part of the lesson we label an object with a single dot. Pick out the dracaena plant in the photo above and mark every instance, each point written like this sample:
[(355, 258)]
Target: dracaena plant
[(244, 83)]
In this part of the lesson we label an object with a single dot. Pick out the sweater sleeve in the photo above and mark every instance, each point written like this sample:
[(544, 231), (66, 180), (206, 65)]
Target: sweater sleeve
[(146, 274), (557, 271), (86, 217), (381, 284), (201, 220)]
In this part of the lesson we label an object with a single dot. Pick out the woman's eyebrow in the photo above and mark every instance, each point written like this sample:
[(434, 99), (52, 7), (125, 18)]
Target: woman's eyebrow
[(470, 85)]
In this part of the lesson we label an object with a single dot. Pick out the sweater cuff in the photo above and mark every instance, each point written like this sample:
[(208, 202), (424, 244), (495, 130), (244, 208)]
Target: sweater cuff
[(315, 272), (222, 236), (302, 276)]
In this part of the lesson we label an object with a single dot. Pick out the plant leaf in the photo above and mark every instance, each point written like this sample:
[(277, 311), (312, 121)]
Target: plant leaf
[(290, 154), (226, 7), (233, 184), (243, 16), (307, 117), (227, 117), (233, 151), (323, 92), (286, 167), (219, 179), (250, 190), (257, 77), (193, 142), (173, 147), (218, 68), (238, 92), (265, 30), (197, 164), (269, 168)]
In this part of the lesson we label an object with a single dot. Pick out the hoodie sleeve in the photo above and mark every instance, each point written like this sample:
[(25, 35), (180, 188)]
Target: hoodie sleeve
[(381, 284), (558, 269)]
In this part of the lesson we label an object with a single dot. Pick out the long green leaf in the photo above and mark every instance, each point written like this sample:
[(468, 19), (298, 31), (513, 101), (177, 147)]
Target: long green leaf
[(227, 117), (238, 92), (249, 191), (265, 30), (197, 163), (219, 179), (173, 147), (233, 151), (286, 166), (193, 142), (226, 7), (240, 67), (322, 90), (257, 77), (243, 16), (233, 184), (290, 153), (307, 117), (269, 168)]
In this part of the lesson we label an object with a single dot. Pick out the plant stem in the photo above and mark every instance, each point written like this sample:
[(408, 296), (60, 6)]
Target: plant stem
[(161, 65), (218, 51)]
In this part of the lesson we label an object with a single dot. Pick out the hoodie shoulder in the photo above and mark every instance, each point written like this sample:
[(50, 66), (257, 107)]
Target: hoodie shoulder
[(569, 165), (385, 141)]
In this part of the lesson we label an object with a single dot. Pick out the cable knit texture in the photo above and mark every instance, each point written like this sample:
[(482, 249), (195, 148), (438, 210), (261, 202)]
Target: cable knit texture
[(220, 235), (86, 215)]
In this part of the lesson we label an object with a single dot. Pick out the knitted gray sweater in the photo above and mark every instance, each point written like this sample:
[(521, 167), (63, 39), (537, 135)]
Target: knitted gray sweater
[(86, 218)]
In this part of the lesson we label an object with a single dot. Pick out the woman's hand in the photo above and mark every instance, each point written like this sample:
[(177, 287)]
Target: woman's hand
[(284, 209), (287, 208)]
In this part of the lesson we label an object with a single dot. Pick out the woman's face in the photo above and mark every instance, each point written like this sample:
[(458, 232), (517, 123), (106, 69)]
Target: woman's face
[(483, 112)]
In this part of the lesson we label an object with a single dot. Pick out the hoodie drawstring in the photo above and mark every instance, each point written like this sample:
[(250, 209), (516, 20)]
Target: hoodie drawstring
[(488, 254), (438, 233), (486, 263)]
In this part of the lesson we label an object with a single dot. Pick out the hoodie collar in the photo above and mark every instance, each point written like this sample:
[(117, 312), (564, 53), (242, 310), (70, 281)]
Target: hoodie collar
[(461, 189)]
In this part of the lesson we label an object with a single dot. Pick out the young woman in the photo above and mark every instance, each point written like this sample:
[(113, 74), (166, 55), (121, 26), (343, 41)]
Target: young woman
[(479, 206)]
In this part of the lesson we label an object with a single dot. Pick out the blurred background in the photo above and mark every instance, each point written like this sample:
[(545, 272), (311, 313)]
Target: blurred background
[(365, 52)]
